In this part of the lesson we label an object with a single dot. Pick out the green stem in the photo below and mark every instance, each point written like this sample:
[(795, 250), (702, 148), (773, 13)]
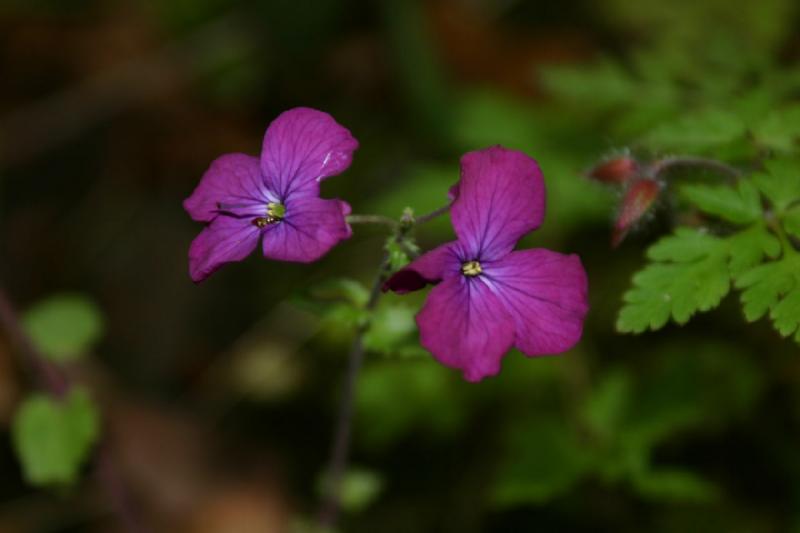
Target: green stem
[(777, 228), (659, 167), (340, 449), (371, 219)]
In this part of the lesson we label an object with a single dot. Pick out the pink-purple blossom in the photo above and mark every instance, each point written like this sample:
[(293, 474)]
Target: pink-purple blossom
[(273, 200), (489, 298)]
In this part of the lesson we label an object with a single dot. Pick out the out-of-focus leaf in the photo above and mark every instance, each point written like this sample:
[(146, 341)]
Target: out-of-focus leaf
[(54, 438), (396, 396), (607, 404), (64, 326), (390, 328), (674, 485), (697, 132), (344, 289), (360, 488), (779, 130), (543, 460)]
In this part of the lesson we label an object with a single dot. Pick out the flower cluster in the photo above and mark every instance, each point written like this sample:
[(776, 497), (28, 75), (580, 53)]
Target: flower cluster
[(488, 297)]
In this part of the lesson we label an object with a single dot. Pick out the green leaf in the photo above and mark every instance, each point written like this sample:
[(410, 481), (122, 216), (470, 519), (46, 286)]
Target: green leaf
[(343, 289), (691, 272), (674, 485), (779, 130), (360, 488), (697, 132), (53, 439), (791, 222), (677, 290), (64, 327), (544, 459), (390, 329), (607, 403), (780, 182), (601, 85), (741, 205), (774, 287)]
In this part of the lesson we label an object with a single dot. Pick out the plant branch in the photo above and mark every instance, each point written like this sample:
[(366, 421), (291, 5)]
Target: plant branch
[(371, 219), (340, 449), (341, 443), (423, 219)]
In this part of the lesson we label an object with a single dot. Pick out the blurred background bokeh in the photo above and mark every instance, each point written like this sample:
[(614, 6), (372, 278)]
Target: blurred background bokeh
[(218, 401)]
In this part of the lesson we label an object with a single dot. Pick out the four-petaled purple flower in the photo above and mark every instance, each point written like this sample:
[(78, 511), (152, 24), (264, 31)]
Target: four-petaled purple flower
[(489, 298), (275, 199)]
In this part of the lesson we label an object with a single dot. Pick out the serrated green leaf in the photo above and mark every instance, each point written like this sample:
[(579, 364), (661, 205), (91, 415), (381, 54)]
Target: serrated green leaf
[(697, 132), (773, 287), (685, 246), (53, 439), (780, 182), (748, 248), (740, 205), (791, 222), (63, 327), (676, 290), (779, 130), (691, 273)]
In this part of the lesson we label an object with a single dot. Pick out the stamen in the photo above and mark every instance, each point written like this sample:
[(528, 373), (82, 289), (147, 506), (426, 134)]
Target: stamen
[(275, 213), (471, 268)]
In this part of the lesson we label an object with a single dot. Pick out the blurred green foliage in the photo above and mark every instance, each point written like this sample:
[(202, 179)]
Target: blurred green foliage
[(64, 326), (53, 438)]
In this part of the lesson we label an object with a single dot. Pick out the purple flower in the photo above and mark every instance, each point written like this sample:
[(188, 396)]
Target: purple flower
[(273, 199), (489, 298)]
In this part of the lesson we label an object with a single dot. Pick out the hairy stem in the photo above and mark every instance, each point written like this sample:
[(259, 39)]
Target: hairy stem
[(340, 449), (661, 166), (341, 442), (371, 219), (51, 379)]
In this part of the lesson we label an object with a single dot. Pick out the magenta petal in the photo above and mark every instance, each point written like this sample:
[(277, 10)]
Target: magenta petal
[(232, 183), (301, 148), (465, 326), (546, 293), (310, 228), (500, 198), (430, 267), (225, 240)]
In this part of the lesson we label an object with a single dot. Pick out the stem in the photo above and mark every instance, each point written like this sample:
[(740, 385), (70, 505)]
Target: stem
[(775, 225), (371, 219), (667, 163), (422, 219), (340, 448), (58, 384), (341, 443)]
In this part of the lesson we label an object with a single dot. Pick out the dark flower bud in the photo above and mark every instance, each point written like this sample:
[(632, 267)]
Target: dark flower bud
[(616, 170), (637, 201)]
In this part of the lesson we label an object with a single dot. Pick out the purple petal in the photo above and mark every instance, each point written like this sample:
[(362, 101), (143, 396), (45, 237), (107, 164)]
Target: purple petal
[(301, 148), (546, 293), (232, 183), (500, 198), (310, 228), (465, 326), (225, 240), (430, 267)]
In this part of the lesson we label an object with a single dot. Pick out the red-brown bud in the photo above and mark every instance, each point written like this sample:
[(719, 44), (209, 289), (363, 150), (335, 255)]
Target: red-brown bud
[(615, 170), (637, 201)]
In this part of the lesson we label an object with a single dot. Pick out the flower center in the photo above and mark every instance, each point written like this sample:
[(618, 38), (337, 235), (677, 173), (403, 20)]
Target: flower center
[(275, 213), (471, 268)]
